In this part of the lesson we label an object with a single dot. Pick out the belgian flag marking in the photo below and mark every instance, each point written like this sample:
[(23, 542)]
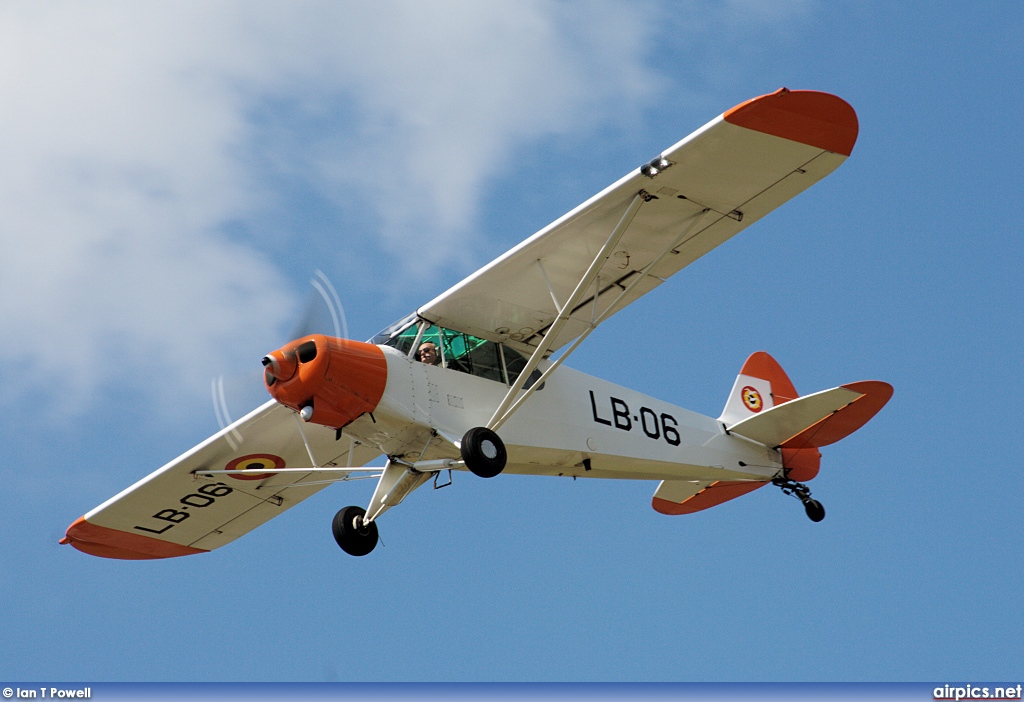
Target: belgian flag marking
[(752, 399), (255, 462)]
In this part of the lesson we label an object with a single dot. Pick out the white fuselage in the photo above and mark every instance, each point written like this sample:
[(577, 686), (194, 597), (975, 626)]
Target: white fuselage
[(577, 425)]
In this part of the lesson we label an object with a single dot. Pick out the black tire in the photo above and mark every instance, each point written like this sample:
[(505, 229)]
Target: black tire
[(815, 512), (483, 452), (354, 537)]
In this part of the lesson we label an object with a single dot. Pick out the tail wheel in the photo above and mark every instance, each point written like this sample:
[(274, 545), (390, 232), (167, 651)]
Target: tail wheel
[(484, 452), (353, 534), (815, 512)]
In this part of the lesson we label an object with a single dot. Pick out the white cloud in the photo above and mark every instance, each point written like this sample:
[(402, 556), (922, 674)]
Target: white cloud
[(126, 135), (115, 177), (445, 92)]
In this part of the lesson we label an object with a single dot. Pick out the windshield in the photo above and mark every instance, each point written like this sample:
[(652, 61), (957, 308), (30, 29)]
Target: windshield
[(385, 335), (455, 351)]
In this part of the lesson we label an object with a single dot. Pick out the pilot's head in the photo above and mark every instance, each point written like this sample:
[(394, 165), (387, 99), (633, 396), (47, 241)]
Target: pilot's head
[(428, 354)]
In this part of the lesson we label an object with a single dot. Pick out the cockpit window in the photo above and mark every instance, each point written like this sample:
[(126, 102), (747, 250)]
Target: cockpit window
[(459, 352), (395, 334), (472, 355)]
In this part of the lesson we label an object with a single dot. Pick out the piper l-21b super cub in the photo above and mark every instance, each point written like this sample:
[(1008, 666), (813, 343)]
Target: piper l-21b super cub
[(469, 381)]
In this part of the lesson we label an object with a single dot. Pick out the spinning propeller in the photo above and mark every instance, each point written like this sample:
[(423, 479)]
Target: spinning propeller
[(246, 391)]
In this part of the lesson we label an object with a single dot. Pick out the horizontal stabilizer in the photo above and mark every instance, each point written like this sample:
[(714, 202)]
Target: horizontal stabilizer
[(774, 426), (689, 496), (873, 396)]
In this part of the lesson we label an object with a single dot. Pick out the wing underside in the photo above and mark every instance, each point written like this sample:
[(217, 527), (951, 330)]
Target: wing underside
[(177, 512), (721, 178)]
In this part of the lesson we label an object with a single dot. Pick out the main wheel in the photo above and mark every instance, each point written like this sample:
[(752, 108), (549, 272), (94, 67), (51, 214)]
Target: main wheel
[(483, 452), (815, 512), (355, 537)]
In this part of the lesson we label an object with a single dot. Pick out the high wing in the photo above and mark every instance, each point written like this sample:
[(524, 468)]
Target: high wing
[(177, 511), (693, 197)]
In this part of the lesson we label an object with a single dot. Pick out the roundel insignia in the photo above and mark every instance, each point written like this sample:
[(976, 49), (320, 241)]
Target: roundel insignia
[(255, 462), (752, 398)]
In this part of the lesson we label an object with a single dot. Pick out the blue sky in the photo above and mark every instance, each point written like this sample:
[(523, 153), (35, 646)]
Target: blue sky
[(173, 174)]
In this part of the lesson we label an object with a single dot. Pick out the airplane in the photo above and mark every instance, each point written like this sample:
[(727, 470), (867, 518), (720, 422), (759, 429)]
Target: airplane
[(473, 381)]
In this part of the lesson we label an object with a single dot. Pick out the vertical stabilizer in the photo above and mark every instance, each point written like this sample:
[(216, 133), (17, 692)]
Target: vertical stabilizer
[(761, 385), (753, 413)]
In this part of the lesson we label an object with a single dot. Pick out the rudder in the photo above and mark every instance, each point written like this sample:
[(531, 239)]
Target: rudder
[(762, 384)]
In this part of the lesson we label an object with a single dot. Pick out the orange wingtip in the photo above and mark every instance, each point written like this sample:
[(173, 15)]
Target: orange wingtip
[(807, 116), (114, 543), (874, 395), (713, 494)]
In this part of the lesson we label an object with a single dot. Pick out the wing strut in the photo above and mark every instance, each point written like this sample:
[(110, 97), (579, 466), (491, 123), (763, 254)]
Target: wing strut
[(566, 310), (496, 420), (309, 449)]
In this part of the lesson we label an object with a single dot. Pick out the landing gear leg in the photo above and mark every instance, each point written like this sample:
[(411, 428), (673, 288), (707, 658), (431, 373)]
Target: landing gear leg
[(355, 536), (815, 512)]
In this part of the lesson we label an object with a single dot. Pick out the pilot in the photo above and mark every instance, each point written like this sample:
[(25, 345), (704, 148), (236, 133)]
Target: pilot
[(428, 354)]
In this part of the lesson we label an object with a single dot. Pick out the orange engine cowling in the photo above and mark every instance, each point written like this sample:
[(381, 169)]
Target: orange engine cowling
[(337, 379)]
